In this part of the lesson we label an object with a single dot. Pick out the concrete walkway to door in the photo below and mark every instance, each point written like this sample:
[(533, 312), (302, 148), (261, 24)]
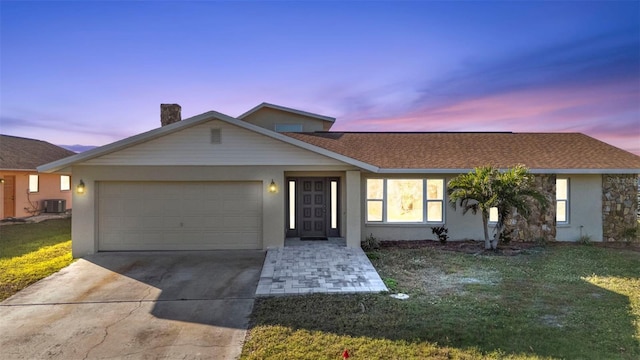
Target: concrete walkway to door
[(303, 267)]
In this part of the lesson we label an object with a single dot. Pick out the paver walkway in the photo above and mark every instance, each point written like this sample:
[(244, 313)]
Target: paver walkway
[(317, 267)]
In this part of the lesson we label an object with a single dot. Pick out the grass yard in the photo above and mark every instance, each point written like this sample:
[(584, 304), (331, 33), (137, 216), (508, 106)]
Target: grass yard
[(30, 252), (554, 302)]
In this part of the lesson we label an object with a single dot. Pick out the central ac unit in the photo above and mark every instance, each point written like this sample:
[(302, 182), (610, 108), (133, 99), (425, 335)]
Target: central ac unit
[(54, 205)]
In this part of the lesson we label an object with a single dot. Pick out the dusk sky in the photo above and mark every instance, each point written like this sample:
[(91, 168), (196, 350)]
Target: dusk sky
[(95, 72)]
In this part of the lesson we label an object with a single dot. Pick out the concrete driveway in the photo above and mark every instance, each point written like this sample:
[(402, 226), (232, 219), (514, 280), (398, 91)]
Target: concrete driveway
[(135, 305)]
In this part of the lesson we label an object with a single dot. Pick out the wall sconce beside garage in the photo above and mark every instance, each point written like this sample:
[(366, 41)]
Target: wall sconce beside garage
[(273, 187), (80, 188)]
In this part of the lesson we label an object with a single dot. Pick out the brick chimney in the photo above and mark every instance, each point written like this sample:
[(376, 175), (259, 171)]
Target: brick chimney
[(169, 114)]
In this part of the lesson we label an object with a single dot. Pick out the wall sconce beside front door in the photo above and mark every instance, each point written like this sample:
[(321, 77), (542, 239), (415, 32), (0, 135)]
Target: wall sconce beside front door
[(80, 188), (273, 187)]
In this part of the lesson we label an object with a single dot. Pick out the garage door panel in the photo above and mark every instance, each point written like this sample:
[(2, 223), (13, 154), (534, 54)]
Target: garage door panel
[(179, 215)]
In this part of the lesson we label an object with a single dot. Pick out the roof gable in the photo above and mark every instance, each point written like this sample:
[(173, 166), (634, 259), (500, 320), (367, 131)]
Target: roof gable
[(17, 153), (265, 105), (197, 146), (185, 124)]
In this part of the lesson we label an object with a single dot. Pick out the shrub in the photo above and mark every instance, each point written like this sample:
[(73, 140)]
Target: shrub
[(370, 243), (441, 232), (585, 239)]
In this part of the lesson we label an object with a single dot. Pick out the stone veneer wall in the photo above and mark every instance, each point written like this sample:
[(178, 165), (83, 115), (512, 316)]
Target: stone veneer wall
[(541, 225), (619, 205)]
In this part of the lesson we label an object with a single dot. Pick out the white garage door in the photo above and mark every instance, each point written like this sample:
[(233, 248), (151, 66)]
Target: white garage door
[(179, 215)]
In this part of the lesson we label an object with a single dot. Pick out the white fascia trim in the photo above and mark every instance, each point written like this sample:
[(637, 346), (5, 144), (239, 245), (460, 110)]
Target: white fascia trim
[(533, 171), (585, 171), (282, 108), (424, 171), (127, 142)]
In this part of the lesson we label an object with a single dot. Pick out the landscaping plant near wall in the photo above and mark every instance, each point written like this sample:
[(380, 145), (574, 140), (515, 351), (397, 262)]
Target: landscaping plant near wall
[(487, 187)]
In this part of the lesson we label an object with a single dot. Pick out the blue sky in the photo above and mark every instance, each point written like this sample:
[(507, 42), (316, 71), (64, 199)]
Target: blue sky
[(95, 72)]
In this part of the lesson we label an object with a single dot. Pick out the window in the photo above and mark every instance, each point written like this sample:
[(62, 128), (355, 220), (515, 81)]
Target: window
[(292, 204), (562, 201), (405, 200), (435, 200), (33, 183), (334, 204), (288, 127), (493, 215), (65, 182), (375, 189)]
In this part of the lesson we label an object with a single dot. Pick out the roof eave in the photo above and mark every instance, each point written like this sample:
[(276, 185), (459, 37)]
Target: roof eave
[(8, 169), (533, 171)]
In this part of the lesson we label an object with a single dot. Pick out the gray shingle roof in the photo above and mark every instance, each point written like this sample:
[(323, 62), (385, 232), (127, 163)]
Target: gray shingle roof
[(468, 150), (18, 153)]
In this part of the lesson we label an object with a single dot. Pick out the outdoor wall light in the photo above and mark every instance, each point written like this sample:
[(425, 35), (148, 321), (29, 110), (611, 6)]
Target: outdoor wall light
[(273, 188), (1, 181), (80, 187)]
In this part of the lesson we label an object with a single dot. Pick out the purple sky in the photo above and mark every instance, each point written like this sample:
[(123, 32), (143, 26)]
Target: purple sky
[(95, 72)]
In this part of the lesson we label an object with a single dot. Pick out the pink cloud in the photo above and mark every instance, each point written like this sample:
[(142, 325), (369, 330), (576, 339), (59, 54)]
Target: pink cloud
[(610, 112)]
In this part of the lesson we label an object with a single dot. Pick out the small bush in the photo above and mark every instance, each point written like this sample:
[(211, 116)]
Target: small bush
[(370, 243), (585, 239), (441, 233)]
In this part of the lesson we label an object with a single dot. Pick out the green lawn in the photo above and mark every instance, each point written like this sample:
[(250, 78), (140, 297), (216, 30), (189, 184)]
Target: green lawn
[(30, 252), (553, 302)]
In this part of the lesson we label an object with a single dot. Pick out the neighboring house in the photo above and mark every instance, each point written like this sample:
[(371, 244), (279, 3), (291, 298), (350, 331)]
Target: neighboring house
[(24, 191), (217, 182)]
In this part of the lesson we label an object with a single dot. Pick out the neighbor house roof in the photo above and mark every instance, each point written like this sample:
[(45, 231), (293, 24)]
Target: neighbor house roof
[(402, 151), (17, 153), (286, 109)]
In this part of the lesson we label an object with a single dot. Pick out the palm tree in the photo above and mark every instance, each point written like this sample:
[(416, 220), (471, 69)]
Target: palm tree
[(487, 187)]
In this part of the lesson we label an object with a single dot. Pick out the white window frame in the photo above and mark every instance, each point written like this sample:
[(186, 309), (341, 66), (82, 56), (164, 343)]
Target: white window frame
[(425, 203), (65, 185), (34, 183), (565, 201)]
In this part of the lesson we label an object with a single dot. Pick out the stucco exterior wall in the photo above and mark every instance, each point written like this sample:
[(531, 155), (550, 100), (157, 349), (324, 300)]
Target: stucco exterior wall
[(85, 218), (584, 214), (619, 205), (25, 202), (268, 118), (461, 227), (585, 204)]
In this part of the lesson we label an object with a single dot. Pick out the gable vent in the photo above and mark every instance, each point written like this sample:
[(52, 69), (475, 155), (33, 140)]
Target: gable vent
[(216, 136)]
